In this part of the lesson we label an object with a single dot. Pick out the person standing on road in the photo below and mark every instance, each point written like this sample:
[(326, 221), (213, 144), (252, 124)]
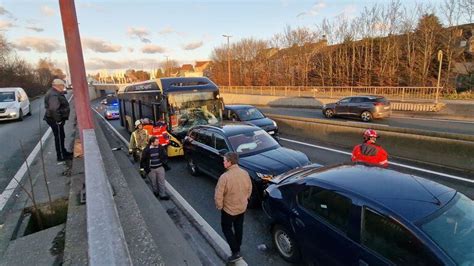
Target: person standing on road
[(138, 141), (56, 114), (231, 197), (370, 152), (154, 163)]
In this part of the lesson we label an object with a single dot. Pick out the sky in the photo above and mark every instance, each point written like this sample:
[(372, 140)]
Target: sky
[(139, 34)]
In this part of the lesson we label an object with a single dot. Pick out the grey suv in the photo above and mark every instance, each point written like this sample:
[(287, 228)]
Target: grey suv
[(365, 107)]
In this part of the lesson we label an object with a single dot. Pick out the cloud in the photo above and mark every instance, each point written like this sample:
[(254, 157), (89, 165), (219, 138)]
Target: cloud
[(136, 63), (166, 30), (130, 49), (5, 25), (140, 33), (349, 11), (193, 45), (92, 6), (315, 9), (39, 44), (33, 28), (153, 49), (3, 11), (100, 46), (48, 11)]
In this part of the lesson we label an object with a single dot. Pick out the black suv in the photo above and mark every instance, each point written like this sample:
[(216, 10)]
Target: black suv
[(365, 107), (251, 115), (260, 154)]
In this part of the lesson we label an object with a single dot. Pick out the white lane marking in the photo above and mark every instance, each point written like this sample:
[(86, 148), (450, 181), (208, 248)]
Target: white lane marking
[(435, 120), (13, 185), (393, 163), (219, 242)]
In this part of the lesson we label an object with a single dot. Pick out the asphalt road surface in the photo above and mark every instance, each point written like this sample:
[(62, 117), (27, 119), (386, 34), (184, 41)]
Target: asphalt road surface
[(29, 131), (199, 192), (430, 124)]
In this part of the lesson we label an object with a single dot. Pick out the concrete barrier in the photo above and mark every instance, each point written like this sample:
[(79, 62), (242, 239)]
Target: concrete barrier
[(446, 149), (316, 103)]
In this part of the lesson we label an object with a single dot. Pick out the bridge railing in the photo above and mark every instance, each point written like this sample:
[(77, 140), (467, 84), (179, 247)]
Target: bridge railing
[(393, 93)]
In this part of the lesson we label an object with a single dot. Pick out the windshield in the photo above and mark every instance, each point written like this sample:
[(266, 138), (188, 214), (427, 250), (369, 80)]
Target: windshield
[(112, 108), (249, 114), (252, 142), (193, 108), (453, 230), (7, 96)]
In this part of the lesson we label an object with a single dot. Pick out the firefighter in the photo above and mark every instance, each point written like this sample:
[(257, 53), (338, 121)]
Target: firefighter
[(138, 141), (369, 152)]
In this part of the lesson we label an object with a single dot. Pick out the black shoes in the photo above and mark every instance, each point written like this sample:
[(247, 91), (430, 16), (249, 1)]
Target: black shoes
[(235, 257), (165, 198)]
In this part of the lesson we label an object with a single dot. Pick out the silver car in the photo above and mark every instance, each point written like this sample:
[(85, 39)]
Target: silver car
[(364, 107)]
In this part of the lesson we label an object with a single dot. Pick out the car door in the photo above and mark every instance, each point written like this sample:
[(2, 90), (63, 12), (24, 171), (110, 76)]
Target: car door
[(342, 105), (220, 144), (385, 240), (204, 151), (355, 106), (321, 221)]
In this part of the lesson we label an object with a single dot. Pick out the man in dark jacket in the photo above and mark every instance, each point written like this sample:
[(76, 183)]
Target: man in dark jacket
[(154, 162), (56, 114)]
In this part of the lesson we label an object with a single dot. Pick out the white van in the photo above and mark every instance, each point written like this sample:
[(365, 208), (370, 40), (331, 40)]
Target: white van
[(14, 104)]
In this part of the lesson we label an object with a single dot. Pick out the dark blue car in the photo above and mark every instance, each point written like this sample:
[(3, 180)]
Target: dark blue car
[(250, 114), (259, 153), (365, 215)]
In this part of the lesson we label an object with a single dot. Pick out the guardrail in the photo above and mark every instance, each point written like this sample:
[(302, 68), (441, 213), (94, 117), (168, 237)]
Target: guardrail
[(438, 148), (392, 93), (106, 239)]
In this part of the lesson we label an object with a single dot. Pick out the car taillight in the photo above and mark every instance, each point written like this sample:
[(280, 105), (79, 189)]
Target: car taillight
[(378, 104)]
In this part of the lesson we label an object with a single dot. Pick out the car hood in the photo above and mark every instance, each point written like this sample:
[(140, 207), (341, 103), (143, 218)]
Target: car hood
[(7, 104), (262, 122), (275, 161)]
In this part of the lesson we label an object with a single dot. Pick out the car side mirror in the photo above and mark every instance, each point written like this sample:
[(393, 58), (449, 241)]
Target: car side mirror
[(223, 152)]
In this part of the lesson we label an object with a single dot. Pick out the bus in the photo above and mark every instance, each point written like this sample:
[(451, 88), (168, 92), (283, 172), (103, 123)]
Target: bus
[(180, 103)]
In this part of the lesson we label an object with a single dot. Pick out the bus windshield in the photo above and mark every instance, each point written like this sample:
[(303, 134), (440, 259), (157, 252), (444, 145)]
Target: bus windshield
[(189, 109)]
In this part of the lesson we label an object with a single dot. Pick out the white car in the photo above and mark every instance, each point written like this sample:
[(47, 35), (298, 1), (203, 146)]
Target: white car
[(14, 104)]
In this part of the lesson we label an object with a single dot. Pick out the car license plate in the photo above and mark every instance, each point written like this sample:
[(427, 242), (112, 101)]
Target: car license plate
[(271, 132)]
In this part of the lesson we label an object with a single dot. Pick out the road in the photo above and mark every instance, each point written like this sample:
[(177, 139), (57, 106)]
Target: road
[(451, 126), (28, 131), (199, 192)]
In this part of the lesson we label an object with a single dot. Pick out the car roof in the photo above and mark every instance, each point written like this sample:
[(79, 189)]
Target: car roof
[(230, 128), (366, 96), (408, 196), (238, 106), (11, 89)]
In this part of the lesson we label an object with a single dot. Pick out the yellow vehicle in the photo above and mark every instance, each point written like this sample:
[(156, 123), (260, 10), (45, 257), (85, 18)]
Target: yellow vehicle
[(181, 103)]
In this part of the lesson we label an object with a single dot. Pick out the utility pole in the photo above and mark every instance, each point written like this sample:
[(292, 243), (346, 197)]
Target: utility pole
[(76, 65), (440, 59), (228, 56), (167, 74)]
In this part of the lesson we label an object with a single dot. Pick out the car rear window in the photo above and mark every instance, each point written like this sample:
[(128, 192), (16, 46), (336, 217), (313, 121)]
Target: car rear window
[(378, 100)]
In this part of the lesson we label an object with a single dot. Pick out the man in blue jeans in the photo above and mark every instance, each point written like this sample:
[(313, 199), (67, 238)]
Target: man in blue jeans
[(56, 114)]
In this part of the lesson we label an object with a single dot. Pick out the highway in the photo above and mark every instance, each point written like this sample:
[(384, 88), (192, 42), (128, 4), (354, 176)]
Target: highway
[(199, 192), (430, 124), (12, 132)]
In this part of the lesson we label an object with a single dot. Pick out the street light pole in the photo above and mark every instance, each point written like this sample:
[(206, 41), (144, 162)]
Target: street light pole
[(228, 56), (440, 59)]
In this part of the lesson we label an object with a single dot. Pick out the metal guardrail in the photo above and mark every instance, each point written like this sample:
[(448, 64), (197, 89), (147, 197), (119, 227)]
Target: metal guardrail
[(106, 239), (392, 93)]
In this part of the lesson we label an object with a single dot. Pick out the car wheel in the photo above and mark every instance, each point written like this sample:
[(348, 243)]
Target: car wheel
[(29, 110), (285, 244), (20, 116), (366, 116), (329, 113), (192, 167)]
